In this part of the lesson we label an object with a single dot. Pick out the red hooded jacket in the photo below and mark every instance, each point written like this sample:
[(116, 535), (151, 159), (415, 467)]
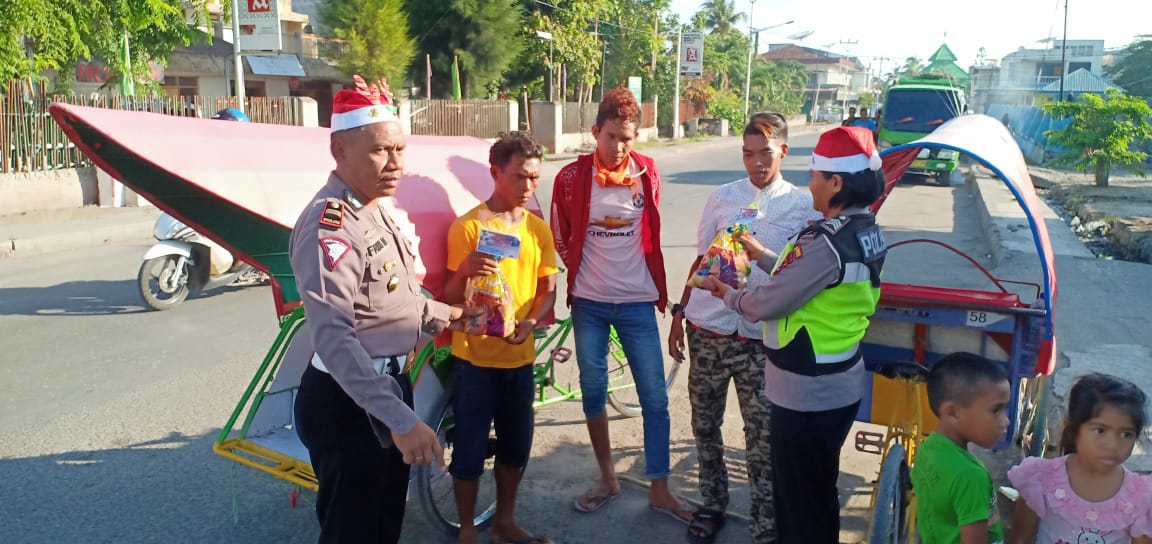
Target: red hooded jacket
[(571, 195)]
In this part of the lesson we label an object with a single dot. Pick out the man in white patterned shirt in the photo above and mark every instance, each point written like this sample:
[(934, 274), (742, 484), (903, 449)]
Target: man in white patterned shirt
[(723, 346)]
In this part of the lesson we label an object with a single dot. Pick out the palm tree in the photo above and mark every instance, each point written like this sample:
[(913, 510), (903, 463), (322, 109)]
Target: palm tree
[(912, 67), (721, 15)]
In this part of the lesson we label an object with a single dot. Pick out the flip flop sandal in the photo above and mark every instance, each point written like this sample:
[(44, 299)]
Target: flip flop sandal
[(706, 524), (674, 513), (587, 503)]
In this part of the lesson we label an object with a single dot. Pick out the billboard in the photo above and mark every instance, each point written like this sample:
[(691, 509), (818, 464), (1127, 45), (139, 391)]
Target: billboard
[(692, 54), (259, 25)]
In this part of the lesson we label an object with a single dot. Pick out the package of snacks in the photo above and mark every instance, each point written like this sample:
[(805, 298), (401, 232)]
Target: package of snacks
[(725, 259)]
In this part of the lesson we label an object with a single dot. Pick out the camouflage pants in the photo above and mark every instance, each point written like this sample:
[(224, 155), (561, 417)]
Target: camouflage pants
[(716, 360)]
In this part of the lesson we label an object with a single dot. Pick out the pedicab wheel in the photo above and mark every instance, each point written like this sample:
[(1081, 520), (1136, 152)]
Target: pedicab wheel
[(162, 284), (435, 486), (622, 394), (889, 514)]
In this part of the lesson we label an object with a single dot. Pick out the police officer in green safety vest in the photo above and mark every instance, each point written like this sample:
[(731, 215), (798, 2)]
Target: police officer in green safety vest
[(825, 285)]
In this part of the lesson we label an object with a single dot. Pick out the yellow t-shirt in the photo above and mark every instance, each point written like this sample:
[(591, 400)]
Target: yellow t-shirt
[(537, 260)]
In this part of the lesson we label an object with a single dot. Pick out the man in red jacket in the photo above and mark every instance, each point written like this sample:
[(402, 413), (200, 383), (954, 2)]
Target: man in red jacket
[(607, 229)]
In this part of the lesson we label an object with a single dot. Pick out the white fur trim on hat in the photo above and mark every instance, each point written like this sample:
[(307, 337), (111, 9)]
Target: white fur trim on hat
[(850, 163), (362, 116)]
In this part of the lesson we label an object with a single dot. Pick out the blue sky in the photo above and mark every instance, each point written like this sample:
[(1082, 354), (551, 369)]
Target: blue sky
[(897, 29)]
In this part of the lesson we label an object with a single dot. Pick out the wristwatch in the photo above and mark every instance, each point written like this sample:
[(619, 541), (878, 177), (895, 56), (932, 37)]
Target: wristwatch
[(677, 308)]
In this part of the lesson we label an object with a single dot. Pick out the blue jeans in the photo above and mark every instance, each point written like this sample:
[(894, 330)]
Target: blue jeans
[(635, 324), (487, 398)]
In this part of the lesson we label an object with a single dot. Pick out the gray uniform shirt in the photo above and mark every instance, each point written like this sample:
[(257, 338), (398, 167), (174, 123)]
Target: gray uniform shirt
[(792, 286), (356, 274)]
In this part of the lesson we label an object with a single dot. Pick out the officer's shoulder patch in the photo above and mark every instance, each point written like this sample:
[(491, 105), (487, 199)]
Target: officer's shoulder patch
[(834, 224), (334, 250), (793, 255), (333, 214)]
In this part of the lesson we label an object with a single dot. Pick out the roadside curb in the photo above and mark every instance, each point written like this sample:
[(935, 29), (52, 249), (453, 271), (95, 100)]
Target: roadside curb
[(65, 241), (1005, 227)]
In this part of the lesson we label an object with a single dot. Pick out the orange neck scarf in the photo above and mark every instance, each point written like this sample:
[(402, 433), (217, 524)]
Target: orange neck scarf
[(606, 176)]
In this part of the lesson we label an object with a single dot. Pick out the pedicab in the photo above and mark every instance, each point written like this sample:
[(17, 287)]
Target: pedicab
[(243, 185), (1010, 322)]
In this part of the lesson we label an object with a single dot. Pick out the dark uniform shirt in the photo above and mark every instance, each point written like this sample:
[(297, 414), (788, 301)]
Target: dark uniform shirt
[(356, 274)]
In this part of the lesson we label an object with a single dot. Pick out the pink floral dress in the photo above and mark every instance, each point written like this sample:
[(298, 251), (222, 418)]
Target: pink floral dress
[(1066, 518)]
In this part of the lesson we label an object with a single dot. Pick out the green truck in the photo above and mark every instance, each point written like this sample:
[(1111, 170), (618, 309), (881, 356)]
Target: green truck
[(914, 107)]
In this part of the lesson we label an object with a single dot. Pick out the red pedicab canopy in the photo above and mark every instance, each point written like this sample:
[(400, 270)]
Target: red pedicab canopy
[(988, 142), (244, 184)]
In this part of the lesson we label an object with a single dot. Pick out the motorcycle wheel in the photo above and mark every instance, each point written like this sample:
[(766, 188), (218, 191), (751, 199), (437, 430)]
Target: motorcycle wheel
[(162, 291)]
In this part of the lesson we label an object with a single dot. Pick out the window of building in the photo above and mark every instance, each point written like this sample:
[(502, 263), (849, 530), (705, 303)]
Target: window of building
[(1073, 66), (181, 85), (255, 88)]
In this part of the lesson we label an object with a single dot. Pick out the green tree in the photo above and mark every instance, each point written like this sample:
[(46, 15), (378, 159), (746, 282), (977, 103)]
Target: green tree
[(777, 86), (377, 36), (720, 16), (486, 36), (726, 56), (1134, 72), (576, 44), (55, 34), (1102, 132)]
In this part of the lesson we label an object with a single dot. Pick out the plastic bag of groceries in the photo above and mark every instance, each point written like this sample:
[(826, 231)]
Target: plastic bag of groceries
[(491, 293), (725, 259), (493, 296)]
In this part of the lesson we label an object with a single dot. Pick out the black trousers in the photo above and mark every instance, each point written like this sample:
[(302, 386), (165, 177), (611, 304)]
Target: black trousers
[(363, 485), (805, 451)]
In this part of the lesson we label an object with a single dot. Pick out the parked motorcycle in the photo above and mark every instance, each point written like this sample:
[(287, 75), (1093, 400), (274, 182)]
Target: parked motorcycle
[(183, 261)]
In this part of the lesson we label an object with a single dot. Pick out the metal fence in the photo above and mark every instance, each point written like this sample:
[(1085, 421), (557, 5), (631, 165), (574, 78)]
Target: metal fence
[(30, 141), (479, 118)]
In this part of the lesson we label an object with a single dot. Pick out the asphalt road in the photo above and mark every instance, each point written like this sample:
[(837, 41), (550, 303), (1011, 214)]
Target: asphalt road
[(108, 411)]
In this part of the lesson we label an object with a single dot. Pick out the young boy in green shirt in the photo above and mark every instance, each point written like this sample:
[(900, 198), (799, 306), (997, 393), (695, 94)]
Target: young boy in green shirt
[(955, 496)]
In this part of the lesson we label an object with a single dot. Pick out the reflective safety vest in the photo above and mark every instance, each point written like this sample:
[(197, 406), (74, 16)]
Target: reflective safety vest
[(823, 336)]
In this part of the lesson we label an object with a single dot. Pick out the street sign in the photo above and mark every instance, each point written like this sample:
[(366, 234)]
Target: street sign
[(635, 84), (692, 54), (259, 25)]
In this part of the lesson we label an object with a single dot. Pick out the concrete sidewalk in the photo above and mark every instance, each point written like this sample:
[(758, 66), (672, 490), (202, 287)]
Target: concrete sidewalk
[(48, 231)]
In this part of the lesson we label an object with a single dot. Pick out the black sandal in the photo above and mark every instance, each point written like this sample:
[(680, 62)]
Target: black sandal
[(706, 523)]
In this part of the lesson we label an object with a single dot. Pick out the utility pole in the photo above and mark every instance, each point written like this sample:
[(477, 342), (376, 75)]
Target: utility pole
[(816, 98), (748, 71), (237, 59), (1064, 52), (676, 88)]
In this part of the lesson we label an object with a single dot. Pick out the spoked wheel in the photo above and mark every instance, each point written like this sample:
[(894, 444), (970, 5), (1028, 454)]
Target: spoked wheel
[(890, 513), (163, 282), (622, 394), (435, 487)]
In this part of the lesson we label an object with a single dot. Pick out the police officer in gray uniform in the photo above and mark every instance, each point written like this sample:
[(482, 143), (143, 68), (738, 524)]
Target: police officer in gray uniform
[(356, 275)]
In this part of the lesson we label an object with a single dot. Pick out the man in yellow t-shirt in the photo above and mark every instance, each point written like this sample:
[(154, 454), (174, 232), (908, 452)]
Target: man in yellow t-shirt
[(494, 378)]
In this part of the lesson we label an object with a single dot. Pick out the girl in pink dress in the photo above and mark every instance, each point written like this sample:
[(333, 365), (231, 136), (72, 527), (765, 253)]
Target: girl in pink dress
[(1087, 496)]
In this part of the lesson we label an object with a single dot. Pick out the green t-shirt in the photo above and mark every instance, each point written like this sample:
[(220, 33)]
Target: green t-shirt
[(953, 489)]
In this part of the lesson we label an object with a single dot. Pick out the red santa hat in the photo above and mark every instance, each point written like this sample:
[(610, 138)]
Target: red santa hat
[(846, 149), (363, 105)]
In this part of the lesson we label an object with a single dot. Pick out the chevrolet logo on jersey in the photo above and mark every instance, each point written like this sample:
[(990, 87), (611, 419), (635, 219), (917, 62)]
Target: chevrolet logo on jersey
[(611, 223)]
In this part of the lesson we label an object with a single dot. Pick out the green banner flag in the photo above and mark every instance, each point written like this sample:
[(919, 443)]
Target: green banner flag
[(456, 78)]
